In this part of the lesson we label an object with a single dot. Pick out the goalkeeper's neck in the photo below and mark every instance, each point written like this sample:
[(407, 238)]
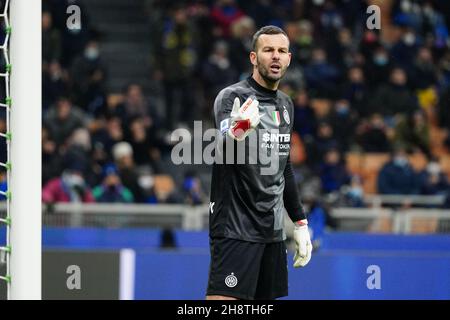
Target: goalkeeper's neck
[(265, 82)]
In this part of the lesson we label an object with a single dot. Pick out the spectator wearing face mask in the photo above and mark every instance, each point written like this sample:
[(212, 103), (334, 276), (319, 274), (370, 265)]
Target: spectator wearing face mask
[(377, 67), (433, 180), (404, 50), (69, 187), (89, 76), (397, 176), (344, 120)]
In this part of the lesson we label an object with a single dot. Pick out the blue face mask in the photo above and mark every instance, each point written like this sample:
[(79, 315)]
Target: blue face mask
[(400, 161), (342, 111), (380, 60), (355, 192)]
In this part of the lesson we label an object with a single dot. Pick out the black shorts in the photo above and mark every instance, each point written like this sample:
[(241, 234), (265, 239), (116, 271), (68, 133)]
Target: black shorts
[(248, 270)]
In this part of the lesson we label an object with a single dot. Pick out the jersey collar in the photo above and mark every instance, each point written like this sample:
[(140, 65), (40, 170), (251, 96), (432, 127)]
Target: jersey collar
[(255, 85)]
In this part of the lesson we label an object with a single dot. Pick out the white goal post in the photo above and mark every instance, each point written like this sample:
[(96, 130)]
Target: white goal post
[(25, 185)]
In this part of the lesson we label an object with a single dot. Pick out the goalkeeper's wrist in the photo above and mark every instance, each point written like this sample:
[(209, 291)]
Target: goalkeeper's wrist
[(301, 223)]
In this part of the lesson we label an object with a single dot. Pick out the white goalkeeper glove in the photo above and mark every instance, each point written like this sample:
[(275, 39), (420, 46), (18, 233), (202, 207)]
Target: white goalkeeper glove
[(244, 118), (303, 246)]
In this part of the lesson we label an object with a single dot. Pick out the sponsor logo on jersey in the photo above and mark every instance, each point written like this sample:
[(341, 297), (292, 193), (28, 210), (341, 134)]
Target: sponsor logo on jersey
[(286, 115), (276, 137), (211, 207), (231, 281)]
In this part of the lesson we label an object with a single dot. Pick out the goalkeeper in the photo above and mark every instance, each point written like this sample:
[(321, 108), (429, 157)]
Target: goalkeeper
[(248, 253)]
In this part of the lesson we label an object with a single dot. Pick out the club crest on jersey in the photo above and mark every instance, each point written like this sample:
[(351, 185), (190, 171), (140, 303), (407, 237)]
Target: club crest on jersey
[(231, 281), (286, 116), (276, 117)]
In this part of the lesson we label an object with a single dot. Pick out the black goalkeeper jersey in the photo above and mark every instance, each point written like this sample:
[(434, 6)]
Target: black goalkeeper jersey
[(247, 196)]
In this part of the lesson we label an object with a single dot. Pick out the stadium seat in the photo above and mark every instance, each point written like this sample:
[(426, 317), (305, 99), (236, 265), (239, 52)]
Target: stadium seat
[(371, 166)]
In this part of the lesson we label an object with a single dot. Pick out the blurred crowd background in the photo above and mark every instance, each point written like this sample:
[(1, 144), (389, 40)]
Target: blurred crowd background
[(372, 107)]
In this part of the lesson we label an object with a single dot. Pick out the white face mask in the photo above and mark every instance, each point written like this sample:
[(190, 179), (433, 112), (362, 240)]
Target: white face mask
[(433, 168), (91, 53), (401, 161), (73, 180), (409, 39)]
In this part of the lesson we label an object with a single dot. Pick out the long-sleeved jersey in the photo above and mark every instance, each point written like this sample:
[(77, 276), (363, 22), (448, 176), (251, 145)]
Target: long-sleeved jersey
[(254, 184)]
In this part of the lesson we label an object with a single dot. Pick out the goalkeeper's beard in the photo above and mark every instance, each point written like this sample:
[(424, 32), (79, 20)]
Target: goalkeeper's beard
[(265, 72)]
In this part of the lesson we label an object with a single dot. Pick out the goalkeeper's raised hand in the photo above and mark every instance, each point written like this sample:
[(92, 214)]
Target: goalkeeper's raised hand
[(303, 246), (244, 118)]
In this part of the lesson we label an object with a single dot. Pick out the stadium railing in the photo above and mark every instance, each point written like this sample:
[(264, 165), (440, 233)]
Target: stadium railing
[(376, 218)]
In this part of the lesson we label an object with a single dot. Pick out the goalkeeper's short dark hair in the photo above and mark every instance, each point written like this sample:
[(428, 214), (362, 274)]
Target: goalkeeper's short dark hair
[(266, 30)]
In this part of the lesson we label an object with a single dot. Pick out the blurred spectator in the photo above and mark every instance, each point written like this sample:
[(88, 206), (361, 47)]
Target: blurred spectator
[(51, 40), (355, 91), (424, 73), (193, 191), (176, 60), (73, 39), (241, 44), (333, 172), (342, 50), (394, 97), (89, 76), (62, 120), (354, 193), (144, 152), (397, 176), (111, 190), (51, 159), (70, 187), (77, 151), (378, 67), (405, 49), (372, 134), (412, 131), (123, 159), (135, 105), (320, 75), (433, 180), (344, 121), (369, 43), (164, 191), (323, 142), (217, 72), (108, 135), (331, 18), (305, 122), (301, 39), (54, 83), (223, 14)]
